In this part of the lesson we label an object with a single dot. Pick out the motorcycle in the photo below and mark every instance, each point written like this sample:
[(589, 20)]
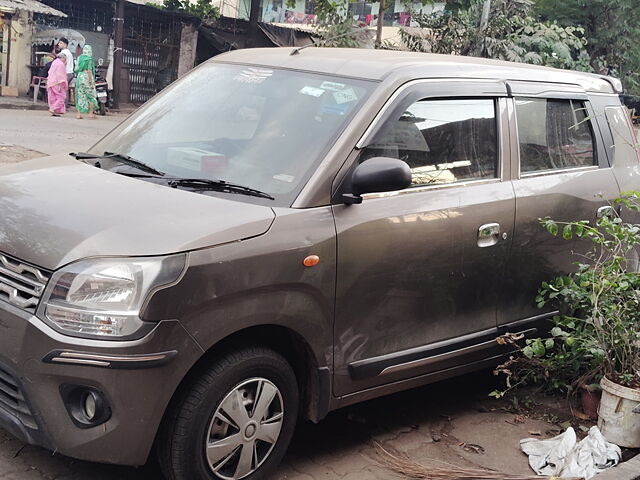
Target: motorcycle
[(104, 98)]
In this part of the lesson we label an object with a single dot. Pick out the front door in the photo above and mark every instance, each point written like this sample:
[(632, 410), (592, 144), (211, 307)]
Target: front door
[(419, 270), (561, 171)]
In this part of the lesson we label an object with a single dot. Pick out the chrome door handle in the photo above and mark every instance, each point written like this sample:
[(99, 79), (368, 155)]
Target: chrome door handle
[(605, 211), (488, 234)]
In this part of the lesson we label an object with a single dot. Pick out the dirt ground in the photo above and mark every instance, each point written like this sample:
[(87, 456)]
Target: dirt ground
[(13, 153), (454, 422)]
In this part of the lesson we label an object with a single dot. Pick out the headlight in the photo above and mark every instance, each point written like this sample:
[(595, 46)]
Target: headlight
[(103, 297)]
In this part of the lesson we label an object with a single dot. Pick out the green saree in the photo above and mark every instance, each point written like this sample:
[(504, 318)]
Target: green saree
[(85, 81)]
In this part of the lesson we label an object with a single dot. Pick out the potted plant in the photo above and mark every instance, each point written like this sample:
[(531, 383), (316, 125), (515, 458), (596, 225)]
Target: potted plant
[(597, 333)]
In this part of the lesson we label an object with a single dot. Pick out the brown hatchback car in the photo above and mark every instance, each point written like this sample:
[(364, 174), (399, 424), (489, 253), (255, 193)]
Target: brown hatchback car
[(285, 232)]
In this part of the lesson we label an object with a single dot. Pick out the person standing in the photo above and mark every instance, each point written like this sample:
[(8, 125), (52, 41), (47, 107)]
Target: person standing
[(86, 101), (63, 44), (57, 86)]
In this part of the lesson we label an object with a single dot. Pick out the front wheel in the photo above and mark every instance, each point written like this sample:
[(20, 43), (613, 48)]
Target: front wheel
[(101, 108), (235, 421)]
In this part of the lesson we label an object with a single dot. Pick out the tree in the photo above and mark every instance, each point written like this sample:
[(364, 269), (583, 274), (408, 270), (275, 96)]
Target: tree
[(201, 8), (612, 30), (335, 27), (511, 33)]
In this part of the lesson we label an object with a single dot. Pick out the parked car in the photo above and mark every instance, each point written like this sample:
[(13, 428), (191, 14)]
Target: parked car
[(284, 232)]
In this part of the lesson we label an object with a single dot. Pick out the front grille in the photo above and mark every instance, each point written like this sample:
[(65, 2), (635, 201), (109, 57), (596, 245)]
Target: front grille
[(21, 284), (12, 398)]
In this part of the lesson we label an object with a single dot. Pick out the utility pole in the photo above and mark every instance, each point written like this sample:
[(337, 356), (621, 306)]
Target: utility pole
[(484, 21), (118, 45), (254, 12), (379, 25), (486, 9)]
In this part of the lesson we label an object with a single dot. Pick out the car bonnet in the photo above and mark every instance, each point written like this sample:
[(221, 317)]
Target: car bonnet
[(56, 210)]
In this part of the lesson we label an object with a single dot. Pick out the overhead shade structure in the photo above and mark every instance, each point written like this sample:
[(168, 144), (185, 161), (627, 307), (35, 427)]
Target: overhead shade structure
[(29, 6), (48, 35)]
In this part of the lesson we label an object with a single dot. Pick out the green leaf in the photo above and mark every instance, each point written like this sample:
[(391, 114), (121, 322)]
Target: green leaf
[(548, 344), (556, 332), (496, 394), (538, 347), (552, 227), (567, 232), (527, 352)]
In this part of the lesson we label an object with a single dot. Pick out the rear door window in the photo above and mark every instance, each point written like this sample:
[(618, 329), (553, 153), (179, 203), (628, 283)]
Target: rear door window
[(554, 134), (442, 141), (625, 146)]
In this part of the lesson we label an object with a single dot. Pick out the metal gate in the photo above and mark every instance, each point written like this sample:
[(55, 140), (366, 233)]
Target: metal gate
[(151, 68), (151, 50)]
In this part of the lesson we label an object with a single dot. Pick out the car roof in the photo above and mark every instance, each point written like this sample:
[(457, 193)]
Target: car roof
[(380, 64)]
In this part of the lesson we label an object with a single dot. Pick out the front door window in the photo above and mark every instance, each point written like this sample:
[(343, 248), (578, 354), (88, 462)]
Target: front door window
[(442, 141)]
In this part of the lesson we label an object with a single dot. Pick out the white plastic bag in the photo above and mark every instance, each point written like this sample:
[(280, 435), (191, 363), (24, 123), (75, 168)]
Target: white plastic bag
[(562, 456)]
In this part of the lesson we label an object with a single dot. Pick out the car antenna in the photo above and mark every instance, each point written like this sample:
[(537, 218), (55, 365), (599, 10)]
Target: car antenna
[(296, 50)]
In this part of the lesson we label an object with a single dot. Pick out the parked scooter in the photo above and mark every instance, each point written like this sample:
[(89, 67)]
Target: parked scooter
[(104, 99)]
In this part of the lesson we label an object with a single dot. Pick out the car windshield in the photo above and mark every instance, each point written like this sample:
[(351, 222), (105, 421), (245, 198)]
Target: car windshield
[(262, 128)]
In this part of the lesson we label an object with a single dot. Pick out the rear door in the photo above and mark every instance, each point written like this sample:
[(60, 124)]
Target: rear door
[(561, 171), (419, 270)]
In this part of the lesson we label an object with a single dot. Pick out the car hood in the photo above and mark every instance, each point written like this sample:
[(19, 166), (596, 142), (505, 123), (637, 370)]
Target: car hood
[(56, 210)]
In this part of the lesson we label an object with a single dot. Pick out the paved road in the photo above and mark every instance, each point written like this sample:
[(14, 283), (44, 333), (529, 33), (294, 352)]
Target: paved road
[(37, 130)]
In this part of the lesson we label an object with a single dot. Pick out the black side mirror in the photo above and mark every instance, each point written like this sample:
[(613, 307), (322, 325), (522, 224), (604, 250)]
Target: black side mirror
[(378, 174)]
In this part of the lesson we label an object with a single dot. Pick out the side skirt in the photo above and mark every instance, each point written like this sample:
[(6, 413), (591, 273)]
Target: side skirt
[(439, 361)]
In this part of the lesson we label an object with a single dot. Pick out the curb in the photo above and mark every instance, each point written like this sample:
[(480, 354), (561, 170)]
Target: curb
[(10, 106), (629, 470)]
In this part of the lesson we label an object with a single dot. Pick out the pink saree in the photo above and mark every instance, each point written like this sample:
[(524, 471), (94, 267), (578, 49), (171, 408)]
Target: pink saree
[(57, 87)]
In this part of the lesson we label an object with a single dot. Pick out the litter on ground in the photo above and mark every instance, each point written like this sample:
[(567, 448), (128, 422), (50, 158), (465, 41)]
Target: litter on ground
[(565, 457)]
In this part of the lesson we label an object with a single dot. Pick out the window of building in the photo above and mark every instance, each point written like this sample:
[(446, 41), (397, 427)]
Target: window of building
[(360, 11), (554, 134), (310, 7), (442, 141)]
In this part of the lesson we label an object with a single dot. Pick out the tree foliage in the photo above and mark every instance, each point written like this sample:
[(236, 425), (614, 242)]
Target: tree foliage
[(612, 30), (512, 34), (336, 29), (201, 8)]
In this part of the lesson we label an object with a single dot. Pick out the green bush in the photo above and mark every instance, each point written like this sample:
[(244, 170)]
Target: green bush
[(598, 329)]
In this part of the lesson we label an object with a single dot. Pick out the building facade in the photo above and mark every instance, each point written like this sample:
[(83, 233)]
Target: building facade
[(304, 11), (157, 45), (16, 32)]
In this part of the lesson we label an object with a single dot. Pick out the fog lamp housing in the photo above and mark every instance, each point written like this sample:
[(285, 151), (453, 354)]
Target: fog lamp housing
[(87, 406)]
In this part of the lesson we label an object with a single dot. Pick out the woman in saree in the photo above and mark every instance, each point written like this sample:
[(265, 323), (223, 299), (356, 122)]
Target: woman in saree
[(57, 86), (86, 101)]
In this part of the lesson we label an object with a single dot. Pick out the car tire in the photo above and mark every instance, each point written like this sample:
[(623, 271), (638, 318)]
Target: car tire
[(198, 438)]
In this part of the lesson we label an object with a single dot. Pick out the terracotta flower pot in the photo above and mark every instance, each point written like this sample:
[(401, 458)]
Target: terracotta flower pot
[(590, 398)]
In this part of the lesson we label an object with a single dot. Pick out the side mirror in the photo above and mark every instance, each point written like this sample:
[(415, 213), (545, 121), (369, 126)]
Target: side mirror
[(378, 174)]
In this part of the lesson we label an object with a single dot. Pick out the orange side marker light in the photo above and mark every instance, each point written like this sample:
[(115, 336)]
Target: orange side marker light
[(311, 261)]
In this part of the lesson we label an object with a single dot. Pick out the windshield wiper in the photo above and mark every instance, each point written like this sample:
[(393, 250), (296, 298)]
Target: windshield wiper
[(122, 158), (216, 185)]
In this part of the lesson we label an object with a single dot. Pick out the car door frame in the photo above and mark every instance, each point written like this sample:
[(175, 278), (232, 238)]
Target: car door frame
[(547, 90)]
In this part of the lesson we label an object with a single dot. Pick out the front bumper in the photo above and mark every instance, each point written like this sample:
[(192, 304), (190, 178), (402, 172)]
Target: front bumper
[(31, 404)]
